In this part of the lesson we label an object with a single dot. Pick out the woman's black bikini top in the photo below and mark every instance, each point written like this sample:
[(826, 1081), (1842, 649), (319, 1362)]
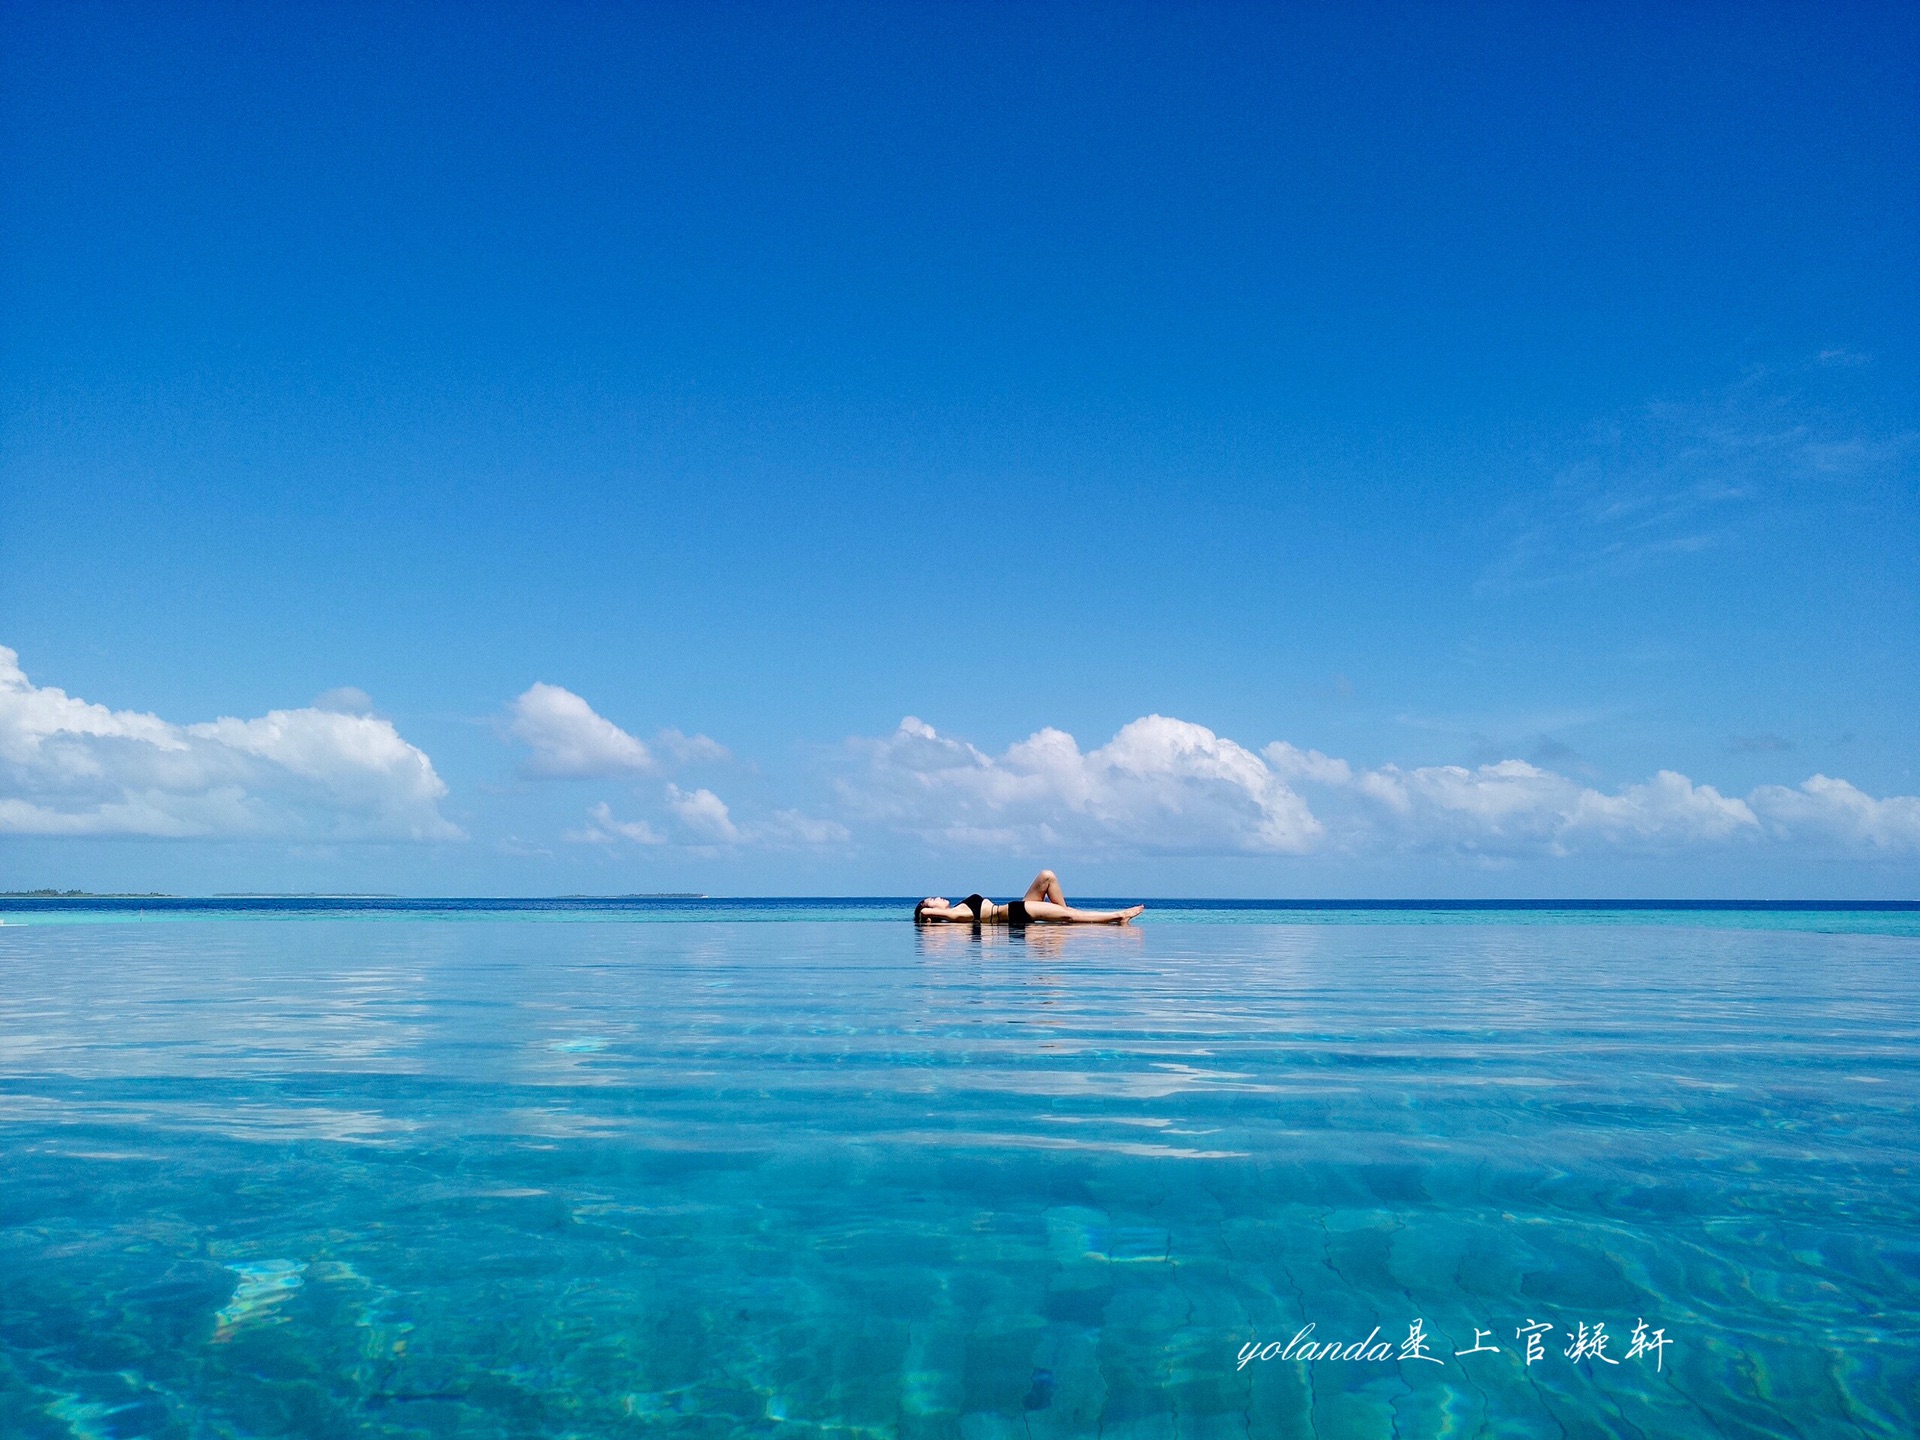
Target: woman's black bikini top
[(973, 903)]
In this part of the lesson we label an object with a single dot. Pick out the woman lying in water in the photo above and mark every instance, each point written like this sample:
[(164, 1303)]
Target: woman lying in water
[(1043, 904)]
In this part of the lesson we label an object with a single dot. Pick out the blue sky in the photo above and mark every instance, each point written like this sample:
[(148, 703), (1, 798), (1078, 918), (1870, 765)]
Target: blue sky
[(1509, 407)]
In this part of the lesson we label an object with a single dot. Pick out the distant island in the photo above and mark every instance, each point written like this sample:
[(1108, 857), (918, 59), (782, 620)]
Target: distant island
[(85, 895)]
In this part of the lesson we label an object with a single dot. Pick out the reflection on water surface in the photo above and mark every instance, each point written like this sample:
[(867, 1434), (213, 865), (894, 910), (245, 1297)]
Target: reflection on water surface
[(330, 1177)]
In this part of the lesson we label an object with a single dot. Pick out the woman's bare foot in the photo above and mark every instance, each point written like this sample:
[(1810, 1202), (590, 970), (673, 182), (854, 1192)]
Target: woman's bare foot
[(1126, 915)]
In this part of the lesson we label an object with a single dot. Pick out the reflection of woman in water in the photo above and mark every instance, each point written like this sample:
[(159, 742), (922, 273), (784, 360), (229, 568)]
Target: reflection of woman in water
[(1043, 904)]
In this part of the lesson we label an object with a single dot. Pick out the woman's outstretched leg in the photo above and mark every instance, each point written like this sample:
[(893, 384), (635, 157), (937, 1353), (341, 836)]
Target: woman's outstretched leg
[(1049, 913)]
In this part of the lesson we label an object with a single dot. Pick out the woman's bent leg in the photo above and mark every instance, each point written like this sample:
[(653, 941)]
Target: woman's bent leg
[(1046, 886)]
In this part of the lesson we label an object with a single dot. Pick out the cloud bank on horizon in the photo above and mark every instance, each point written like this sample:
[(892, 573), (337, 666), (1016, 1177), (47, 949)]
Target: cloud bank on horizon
[(70, 767), (335, 771), (1165, 785)]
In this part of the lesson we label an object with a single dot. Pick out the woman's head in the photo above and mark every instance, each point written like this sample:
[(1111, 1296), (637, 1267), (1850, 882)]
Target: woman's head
[(932, 902)]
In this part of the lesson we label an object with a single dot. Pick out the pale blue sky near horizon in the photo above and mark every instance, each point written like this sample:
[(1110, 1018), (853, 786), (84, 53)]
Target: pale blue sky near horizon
[(1425, 386)]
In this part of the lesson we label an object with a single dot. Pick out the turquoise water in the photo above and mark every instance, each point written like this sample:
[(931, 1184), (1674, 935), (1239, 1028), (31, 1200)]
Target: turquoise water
[(292, 1172), (1884, 917)]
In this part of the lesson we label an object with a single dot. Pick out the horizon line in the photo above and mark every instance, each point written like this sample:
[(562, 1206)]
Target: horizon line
[(391, 900)]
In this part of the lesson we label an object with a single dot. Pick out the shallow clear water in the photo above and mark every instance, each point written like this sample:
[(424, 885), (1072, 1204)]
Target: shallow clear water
[(1885, 917), (326, 1177)]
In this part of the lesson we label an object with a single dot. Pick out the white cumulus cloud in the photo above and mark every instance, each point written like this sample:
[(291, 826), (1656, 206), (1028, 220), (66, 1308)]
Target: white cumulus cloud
[(704, 814), (1514, 806), (1836, 810), (1292, 763), (692, 749), (71, 767), (569, 740), (1159, 784), (603, 829), (705, 821), (1169, 785)]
